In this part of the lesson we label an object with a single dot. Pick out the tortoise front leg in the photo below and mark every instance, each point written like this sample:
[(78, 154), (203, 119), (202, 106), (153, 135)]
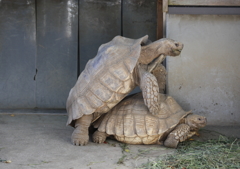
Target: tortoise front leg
[(180, 134), (149, 86), (159, 71), (80, 135), (161, 74)]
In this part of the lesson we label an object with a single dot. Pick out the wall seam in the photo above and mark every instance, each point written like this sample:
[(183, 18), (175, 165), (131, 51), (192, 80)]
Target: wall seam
[(36, 70)]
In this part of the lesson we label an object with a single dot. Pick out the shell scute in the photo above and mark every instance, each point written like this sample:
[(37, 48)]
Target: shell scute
[(94, 100), (80, 91), (175, 118), (110, 127), (111, 82), (120, 71), (79, 107), (128, 139), (163, 126), (137, 140), (152, 125), (164, 112), (140, 125), (101, 91), (119, 128), (84, 106), (129, 62), (127, 86), (102, 126), (103, 109), (128, 123), (151, 139), (173, 105)]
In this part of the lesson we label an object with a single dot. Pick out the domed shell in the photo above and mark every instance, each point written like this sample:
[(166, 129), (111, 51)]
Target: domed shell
[(131, 118), (106, 79)]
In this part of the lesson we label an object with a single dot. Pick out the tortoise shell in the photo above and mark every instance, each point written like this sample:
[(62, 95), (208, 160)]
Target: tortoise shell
[(106, 79), (131, 122)]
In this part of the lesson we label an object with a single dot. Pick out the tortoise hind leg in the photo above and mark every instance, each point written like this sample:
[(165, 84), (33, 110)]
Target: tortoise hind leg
[(80, 135), (99, 137)]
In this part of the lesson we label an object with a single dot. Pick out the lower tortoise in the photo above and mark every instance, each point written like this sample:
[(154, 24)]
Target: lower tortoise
[(131, 122)]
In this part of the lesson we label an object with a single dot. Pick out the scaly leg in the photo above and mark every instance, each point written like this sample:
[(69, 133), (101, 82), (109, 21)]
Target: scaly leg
[(150, 89), (179, 134), (99, 137), (80, 135), (160, 73)]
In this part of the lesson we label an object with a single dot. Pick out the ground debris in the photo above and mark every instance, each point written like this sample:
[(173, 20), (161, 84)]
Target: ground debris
[(124, 147), (96, 162), (121, 160), (221, 153), (5, 161)]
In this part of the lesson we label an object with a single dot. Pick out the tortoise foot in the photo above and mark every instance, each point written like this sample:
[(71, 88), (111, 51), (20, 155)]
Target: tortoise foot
[(79, 138), (99, 137), (171, 142)]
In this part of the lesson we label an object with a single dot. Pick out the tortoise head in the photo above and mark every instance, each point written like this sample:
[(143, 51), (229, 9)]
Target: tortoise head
[(165, 46), (170, 47), (196, 121)]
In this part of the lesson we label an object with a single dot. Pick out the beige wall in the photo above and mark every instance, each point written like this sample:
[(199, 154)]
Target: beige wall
[(206, 77)]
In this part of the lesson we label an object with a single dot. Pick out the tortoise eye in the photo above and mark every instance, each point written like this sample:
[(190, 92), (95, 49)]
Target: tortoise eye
[(199, 119)]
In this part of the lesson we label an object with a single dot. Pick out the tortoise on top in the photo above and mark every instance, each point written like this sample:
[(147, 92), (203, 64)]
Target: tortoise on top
[(131, 122), (120, 66)]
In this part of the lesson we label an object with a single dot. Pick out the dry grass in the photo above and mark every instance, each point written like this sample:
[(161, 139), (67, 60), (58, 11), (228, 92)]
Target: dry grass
[(221, 153)]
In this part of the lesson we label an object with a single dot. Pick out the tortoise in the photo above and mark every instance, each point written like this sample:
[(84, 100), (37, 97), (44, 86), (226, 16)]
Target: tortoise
[(131, 122), (119, 66)]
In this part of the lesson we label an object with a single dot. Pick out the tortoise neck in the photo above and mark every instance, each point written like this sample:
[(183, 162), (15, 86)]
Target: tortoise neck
[(150, 52), (137, 73)]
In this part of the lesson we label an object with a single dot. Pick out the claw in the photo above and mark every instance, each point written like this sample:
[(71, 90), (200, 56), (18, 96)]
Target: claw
[(99, 137), (79, 139)]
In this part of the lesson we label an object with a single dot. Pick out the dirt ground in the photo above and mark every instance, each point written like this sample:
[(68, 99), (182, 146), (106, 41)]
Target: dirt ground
[(42, 141)]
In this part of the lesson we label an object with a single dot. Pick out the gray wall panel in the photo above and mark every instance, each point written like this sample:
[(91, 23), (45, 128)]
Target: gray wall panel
[(44, 46), (17, 53), (206, 77), (140, 18), (100, 21), (57, 37)]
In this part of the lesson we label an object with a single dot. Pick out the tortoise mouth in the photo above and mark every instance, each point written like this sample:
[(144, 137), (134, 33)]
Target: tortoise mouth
[(175, 52)]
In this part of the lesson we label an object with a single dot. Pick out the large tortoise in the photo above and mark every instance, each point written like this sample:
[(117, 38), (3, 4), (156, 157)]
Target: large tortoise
[(119, 66), (131, 122)]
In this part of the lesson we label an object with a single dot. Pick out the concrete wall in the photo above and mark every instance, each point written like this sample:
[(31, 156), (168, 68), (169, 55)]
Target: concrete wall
[(206, 77)]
